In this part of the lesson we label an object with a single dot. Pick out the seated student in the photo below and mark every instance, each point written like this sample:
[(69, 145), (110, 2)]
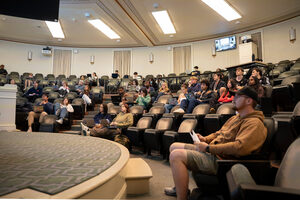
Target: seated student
[(134, 86), (2, 70), (64, 89), (124, 119), (183, 95), (86, 96), (62, 110), (153, 84), (254, 83), (101, 130), (258, 74), (184, 99), (163, 90), (240, 80), (34, 92), (136, 76), (116, 74), (202, 97), (194, 87), (195, 72), (13, 82), (217, 84), (47, 110), (143, 98), (29, 81), (80, 87), (148, 86), (102, 115), (226, 95), (94, 80), (242, 135)]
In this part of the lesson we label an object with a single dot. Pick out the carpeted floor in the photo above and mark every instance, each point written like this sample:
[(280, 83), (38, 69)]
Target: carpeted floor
[(162, 176)]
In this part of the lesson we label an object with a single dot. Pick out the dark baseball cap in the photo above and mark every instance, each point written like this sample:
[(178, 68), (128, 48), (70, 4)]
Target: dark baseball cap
[(249, 92)]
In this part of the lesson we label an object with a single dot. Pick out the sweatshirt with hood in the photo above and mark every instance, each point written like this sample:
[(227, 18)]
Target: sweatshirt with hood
[(239, 136)]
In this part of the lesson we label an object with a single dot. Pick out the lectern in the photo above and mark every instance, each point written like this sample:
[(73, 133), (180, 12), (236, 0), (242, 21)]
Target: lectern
[(8, 107)]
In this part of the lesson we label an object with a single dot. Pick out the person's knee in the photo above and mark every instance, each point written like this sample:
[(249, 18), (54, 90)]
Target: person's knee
[(31, 113), (174, 146), (178, 155)]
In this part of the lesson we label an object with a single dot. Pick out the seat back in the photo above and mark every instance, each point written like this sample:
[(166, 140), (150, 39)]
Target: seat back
[(38, 100), (144, 122), (201, 109), (164, 124), (58, 100), (78, 101), (164, 99), (96, 90), (47, 89), (288, 174), (271, 126), (187, 126), (136, 109), (53, 95), (175, 108), (290, 80), (157, 110), (114, 110), (226, 109)]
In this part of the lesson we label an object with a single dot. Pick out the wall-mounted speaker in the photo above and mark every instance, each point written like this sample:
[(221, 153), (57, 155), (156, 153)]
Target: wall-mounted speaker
[(292, 34)]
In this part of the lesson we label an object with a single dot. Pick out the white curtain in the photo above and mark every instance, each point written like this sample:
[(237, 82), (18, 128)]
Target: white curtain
[(122, 62), (62, 62), (181, 59)]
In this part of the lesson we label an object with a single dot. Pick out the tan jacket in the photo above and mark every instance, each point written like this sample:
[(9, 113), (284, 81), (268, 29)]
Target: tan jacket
[(123, 120), (239, 136)]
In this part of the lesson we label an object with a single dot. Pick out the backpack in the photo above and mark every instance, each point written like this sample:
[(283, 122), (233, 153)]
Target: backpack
[(122, 139)]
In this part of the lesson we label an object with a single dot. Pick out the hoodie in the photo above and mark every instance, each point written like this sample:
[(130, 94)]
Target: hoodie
[(239, 136)]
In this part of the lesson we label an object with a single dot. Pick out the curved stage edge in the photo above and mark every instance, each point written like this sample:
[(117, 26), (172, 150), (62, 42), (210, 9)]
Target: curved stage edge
[(110, 184)]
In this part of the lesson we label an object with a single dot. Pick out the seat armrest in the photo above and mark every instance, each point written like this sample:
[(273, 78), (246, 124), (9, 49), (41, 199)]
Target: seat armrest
[(189, 116), (171, 133), (148, 115), (213, 116), (250, 191)]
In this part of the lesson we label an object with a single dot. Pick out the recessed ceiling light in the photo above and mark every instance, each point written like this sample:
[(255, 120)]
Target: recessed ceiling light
[(223, 8), (55, 29), (101, 26), (164, 21)]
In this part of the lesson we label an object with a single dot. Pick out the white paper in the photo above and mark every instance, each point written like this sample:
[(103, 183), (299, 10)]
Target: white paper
[(194, 136)]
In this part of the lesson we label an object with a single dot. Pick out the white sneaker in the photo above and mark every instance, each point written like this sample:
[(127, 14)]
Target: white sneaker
[(60, 121), (179, 110)]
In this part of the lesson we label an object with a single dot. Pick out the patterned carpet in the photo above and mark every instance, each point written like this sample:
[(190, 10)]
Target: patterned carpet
[(51, 162)]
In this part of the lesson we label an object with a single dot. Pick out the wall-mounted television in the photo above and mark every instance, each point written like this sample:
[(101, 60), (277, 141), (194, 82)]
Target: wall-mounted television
[(225, 43)]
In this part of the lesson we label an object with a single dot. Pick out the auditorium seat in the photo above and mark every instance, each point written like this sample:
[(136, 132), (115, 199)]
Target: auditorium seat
[(155, 112), (38, 76), (114, 111), (14, 74), (49, 124), (288, 123), (153, 137), (71, 96), (3, 81), (286, 185), (44, 83), (198, 113), (124, 82), (61, 76), (136, 133), (97, 95), (296, 67), (78, 106), (58, 100), (112, 85), (149, 76), (162, 100), (137, 112), (182, 134), (103, 80), (213, 122), (71, 77), (37, 101), (51, 76), (177, 117), (283, 96), (266, 101), (52, 96)]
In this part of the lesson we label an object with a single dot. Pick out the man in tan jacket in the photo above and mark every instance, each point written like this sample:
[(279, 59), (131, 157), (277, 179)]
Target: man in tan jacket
[(241, 135)]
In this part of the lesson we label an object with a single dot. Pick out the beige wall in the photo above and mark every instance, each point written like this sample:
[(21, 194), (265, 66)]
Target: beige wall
[(275, 43)]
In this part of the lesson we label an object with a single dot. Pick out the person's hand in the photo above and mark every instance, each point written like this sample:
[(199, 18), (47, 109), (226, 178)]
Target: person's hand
[(113, 123), (198, 93), (201, 138), (97, 125), (201, 146)]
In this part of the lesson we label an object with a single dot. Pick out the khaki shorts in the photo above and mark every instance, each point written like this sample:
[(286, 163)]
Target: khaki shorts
[(205, 163)]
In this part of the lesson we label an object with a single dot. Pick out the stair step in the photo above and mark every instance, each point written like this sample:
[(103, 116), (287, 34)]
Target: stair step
[(71, 132), (76, 127), (77, 122)]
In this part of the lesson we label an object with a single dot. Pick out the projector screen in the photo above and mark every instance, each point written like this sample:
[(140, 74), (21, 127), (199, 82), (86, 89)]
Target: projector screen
[(226, 43), (32, 9)]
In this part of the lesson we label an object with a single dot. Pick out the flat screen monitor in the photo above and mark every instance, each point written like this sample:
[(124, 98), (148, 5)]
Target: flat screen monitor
[(225, 43), (32, 9)]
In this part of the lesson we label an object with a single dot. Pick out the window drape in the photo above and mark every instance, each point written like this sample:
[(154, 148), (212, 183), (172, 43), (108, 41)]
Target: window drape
[(122, 62), (181, 59), (62, 62)]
